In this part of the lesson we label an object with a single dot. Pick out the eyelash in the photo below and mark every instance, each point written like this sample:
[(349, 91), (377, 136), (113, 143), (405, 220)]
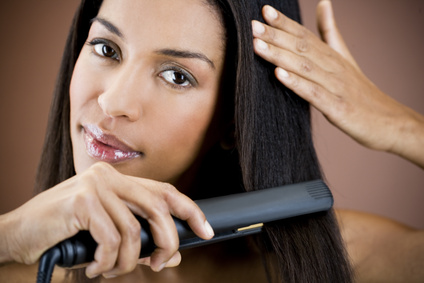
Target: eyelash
[(95, 43), (188, 78)]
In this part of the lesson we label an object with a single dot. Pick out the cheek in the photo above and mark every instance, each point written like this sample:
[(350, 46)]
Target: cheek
[(83, 88), (187, 129), (76, 90)]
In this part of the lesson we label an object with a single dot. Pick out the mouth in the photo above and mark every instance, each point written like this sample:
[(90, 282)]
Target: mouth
[(106, 147)]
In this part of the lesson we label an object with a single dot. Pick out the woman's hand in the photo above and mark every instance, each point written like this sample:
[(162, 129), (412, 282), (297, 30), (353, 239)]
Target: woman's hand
[(104, 202), (326, 75)]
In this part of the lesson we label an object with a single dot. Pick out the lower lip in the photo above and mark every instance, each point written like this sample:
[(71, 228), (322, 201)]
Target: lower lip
[(106, 153)]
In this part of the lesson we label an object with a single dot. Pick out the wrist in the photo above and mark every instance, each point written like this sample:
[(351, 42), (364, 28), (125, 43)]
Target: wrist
[(410, 138), (6, 224)]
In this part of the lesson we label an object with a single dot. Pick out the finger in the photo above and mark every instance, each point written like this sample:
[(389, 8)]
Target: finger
[(279, 38), (315, 94), (173, 262), (304, 43), (308, 46), (300, 65), (129, 229), (163, 201), (102, 180), (146, 198), (278, 20), (105, 233), (180, 206), (329, 31), (166, 240), (155, 202), (186, 209)]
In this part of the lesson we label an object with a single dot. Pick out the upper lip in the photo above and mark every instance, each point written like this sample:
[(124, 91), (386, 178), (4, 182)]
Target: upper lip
[(108, 139)]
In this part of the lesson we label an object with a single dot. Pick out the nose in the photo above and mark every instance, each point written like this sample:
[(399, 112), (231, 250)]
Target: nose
[(121, 97)]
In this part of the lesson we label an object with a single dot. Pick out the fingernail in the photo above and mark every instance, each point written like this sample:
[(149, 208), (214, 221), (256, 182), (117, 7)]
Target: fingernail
[(162, 266), (91, 271), (209, 229), (91, 276), (271, 13), (260, 44), (282, 73), (258, 28)]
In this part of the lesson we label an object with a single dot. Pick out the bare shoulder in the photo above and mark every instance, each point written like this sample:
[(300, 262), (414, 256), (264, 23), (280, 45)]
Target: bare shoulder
[(382, 250)]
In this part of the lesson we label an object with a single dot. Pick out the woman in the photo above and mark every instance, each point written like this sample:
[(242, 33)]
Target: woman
[(157, 104)]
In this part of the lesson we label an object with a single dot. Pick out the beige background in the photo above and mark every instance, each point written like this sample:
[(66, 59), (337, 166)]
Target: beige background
[(385, 36)]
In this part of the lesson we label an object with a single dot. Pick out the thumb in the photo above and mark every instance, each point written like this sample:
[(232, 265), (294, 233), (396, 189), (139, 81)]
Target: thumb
[(330, 33)]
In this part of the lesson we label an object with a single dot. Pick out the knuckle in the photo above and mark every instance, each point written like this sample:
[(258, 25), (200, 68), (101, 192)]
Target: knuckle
[(302, 33), (271, 34), (295, 83), (133, 230), (171, 246), (101, 169), (305, 66), (282, 21), (106, 264), (158, 207), (302, 45), (113, 241), (315, 92), (169, 192), (341, 108), (168, 188), (84, 198)]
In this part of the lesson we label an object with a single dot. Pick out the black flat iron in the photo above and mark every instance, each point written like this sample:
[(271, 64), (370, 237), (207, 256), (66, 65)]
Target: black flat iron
[(230, 216)]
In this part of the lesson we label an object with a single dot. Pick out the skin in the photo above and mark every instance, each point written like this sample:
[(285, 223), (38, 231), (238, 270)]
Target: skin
[(129, 92), (317, 71), (102, 199), (381, 250)]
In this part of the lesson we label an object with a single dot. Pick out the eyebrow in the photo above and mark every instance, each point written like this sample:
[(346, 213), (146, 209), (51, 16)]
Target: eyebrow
[(109, 26), (167, 52), (186, 54)]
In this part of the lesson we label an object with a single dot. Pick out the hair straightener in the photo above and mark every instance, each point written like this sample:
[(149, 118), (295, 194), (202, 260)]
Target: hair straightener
[(230, 216)]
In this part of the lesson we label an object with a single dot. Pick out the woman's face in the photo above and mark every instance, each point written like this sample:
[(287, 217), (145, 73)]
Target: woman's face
[(145, 86)]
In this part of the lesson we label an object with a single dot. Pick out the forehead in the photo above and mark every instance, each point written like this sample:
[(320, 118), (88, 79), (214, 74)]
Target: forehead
[(180, 23)]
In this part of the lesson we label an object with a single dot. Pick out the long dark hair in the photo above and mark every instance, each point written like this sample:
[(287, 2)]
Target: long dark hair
[(273, 143)]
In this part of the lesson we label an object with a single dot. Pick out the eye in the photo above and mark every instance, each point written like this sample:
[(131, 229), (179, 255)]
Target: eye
[(103, 48), (175, 77), (178, 78)]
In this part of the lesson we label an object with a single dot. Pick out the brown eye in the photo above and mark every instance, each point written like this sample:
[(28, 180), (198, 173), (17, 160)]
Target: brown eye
[(176, 78), (108, 51), (105, 50)]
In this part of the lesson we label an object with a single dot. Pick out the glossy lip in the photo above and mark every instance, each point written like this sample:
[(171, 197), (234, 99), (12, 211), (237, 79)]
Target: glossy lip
[(106, 147)]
